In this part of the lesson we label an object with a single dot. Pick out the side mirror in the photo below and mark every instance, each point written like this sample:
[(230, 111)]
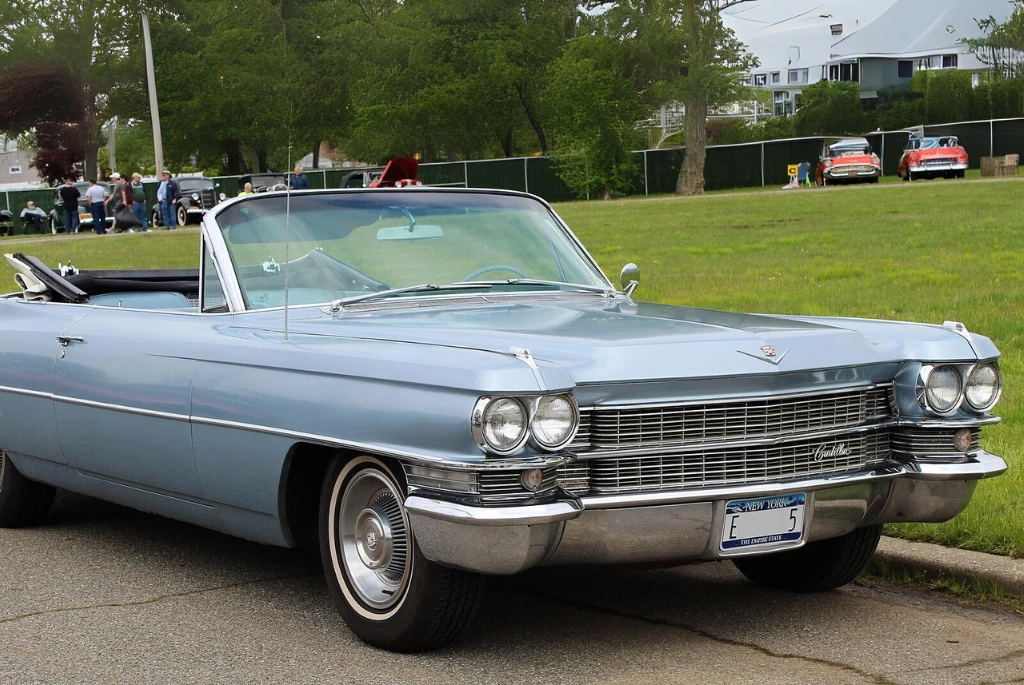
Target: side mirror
[(629, 278)]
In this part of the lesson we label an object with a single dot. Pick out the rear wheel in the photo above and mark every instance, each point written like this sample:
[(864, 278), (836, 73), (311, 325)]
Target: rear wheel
[(389, 594), (22, 502), (817, 566), (155, 219), (182, 215)]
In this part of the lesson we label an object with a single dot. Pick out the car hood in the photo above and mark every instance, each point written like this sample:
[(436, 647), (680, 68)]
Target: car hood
[(850, 159), (939, 152), (626, 341)]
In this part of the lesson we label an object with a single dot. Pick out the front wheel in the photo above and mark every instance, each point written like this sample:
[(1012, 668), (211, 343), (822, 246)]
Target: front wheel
[(817, 566), (22, 502), (389, 594), (182, 215)]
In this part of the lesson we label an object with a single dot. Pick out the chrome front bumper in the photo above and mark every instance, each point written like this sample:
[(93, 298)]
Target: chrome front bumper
[(667, 527), (938, 168)]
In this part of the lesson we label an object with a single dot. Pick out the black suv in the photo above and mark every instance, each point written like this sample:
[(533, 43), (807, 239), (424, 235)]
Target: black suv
[(198, 196)]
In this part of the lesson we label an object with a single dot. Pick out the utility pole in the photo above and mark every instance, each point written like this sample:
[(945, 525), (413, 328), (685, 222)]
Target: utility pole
[(112, 144), (158, 143)]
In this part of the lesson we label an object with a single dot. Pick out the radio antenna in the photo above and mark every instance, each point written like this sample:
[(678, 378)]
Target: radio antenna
[(287, 237)]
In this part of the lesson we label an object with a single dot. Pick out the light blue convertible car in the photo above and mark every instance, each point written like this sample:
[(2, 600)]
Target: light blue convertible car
[(430, 386)]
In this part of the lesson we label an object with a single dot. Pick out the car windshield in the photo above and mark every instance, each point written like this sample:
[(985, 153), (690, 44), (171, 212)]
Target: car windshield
[(187, 185), (369, 244), (933, 143), (845, 151)]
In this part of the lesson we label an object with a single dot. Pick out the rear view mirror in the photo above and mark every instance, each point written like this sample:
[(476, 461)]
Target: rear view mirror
[(417, 232)]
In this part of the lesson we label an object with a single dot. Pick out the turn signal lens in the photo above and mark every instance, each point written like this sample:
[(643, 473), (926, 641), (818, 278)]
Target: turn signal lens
[(532, 479), (943, 389), (983, 386)]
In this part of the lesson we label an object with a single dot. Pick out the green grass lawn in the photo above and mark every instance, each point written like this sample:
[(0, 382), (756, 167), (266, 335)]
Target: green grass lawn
[(930, 251)]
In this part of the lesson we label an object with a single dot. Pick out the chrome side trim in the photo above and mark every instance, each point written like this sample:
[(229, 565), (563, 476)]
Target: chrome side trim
[(121, 408), (27, 393), (493, 516)]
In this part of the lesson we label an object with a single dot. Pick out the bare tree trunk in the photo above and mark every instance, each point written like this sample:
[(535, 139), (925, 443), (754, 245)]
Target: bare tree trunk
[(261, 160), (236, 165), (691, 175), (316, 154)]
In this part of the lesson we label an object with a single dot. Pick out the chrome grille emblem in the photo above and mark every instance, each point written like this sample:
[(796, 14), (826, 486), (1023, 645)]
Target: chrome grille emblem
[(769, 351), (832, 451)]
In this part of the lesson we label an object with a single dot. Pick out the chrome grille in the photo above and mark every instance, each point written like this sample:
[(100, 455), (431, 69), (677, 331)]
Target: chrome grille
[(913, 443), (939, 162), (508, 483), (732, 466), (208, 198), (853, 169), (677, 425)]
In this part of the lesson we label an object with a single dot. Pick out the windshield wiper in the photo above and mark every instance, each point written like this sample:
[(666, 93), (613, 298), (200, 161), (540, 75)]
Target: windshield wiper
[(338, 305), (559, 284)]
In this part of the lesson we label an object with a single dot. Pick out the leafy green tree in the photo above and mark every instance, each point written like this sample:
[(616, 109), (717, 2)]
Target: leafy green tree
[(1002, 46), (777, 128), (680, 50), (592, 111), (830, 109), (95, 41)]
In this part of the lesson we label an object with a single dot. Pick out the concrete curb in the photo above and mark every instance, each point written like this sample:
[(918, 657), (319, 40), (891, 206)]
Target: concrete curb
[(1003, 573)]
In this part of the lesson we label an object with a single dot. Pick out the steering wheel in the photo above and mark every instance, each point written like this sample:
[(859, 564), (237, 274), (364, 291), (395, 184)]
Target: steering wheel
[(493, 267)]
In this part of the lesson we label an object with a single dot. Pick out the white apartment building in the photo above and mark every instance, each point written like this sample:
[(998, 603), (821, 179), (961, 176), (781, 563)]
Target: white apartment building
[(875, 43)]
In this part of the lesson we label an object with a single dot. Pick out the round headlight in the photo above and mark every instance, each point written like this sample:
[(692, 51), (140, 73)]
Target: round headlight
[(503, 425), (223, 197), (195, 196), (983, 386), (554, 421), (943, 389)]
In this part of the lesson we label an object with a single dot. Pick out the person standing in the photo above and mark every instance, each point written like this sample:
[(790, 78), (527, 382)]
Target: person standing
[(120, 196), (139, 202), (95, 196), (299, 180), (168, 195), (69, 195)]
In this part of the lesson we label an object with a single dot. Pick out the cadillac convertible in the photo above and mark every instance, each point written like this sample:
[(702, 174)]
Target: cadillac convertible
[(430, 386)]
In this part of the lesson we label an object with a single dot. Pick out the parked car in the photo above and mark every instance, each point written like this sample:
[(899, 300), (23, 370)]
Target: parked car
[(84, 215), (433, 385), (399, 172), (198, 196), (933, 157), (264, 182), (6, 222), (848, 160)]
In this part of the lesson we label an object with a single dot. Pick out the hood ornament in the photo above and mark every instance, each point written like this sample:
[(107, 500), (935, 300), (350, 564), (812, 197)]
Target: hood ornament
[(768, 354)]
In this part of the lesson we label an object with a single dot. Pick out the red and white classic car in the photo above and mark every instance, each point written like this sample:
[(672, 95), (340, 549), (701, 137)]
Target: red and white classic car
[(848, 160), (933, 157)]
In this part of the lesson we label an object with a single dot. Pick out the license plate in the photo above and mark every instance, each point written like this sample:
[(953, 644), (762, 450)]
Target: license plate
[(85, 217), (754, 523)]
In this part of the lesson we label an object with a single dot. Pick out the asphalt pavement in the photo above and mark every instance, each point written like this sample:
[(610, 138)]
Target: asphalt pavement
[(104, 594)]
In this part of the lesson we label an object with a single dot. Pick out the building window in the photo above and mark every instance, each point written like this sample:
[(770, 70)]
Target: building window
[(14, 170), (837, 29), (905, 68), (760, 80), (848, 72), (949, 61), (776, 77), (798, 76)]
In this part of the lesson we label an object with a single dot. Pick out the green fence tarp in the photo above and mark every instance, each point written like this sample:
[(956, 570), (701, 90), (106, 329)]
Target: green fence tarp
[(975, 137)]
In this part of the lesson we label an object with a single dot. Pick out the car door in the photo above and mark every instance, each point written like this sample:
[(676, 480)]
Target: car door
[(28, 356), (123, 389)]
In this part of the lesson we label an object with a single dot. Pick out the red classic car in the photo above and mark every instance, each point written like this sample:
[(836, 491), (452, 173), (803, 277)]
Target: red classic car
[(933, 157), (848, 160)]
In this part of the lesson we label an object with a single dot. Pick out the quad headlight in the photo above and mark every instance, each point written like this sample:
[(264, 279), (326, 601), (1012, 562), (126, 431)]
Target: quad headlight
[(944, 388), (983, 387), (503, 425)]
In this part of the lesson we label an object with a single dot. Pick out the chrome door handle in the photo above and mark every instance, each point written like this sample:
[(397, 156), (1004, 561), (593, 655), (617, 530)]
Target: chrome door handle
[(66, 340)]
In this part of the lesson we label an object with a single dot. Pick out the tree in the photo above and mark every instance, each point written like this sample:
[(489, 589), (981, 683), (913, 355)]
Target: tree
[(97, 45), (592, 112), (1002, 46), (680, 50), (830, 109)]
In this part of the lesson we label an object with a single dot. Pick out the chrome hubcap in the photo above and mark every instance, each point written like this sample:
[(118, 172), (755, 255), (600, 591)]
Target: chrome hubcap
[(374, 544)]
